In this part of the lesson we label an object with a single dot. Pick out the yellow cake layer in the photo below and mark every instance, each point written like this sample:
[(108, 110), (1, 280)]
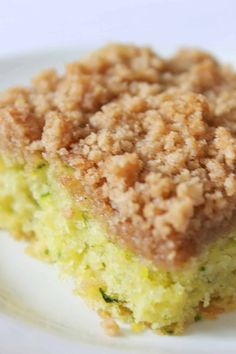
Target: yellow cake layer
[(33, 201)]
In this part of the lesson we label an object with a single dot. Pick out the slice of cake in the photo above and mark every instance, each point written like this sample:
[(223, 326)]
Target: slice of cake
[(122, 171)]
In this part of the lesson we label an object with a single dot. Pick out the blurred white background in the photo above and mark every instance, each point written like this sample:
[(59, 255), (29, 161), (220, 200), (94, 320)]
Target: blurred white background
[(28, 24)]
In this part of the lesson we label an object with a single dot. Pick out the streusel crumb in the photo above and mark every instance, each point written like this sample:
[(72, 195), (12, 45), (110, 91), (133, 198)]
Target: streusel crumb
[(151, 140)]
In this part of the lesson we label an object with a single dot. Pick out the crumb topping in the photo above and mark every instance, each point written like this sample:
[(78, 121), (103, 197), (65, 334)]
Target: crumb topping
[(151, 140)]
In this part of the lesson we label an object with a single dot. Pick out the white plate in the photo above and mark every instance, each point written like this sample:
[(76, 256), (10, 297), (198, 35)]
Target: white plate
[(40, 314)]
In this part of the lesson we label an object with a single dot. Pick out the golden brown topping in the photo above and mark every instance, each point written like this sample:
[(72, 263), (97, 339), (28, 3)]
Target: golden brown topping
[(152, 141)]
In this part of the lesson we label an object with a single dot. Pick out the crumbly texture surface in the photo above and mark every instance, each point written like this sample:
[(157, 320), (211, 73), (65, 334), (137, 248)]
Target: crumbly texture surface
[(152, 142)]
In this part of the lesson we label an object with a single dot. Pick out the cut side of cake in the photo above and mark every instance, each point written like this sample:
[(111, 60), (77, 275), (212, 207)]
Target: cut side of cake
[(122, 172)]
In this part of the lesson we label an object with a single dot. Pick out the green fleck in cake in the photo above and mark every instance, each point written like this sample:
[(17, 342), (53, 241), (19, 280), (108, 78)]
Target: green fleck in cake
[(122, 171)]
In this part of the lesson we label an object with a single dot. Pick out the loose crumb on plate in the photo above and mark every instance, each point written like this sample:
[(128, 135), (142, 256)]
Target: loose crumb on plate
[(110, 327)]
